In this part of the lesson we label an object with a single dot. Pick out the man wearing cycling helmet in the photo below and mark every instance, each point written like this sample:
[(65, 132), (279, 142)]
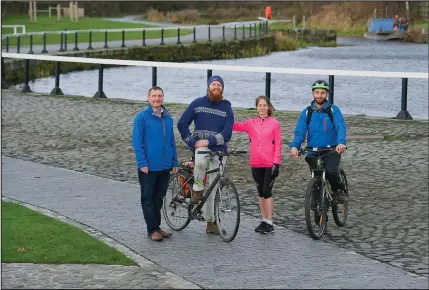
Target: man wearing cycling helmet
[(326, 128)]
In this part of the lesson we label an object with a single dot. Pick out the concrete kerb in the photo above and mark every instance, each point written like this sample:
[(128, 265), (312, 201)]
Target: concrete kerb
[(176, 281)]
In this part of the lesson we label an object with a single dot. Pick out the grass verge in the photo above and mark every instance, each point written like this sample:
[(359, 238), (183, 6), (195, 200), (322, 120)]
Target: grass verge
[(357, 30), (31, 237), (44, 23)]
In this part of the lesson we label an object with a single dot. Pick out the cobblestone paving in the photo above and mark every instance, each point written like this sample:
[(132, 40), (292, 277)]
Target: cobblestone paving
[(44, 276), (386, 164), (189, 258)]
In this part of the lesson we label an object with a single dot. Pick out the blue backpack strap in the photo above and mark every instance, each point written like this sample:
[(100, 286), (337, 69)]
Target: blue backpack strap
[(330, 114), (327, 110), (309, 113)]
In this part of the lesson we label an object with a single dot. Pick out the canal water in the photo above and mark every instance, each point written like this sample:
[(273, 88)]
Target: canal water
[(354, 95)]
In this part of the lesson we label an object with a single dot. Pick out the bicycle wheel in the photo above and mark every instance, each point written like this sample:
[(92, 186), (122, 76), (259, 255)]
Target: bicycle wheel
[(340, 211), (176, 201), (227, 210), (315, 209)]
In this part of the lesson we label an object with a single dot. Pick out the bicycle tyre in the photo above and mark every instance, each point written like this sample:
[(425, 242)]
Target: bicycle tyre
[(166, 203), (315, 182), (338, 221), (233, 191)]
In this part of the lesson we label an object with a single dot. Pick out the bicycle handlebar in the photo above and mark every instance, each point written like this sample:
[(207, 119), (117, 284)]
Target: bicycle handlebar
[(221, 153), (317, 150)]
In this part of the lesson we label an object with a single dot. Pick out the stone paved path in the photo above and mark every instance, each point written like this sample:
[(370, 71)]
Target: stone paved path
[(387, 167), (282, 260)]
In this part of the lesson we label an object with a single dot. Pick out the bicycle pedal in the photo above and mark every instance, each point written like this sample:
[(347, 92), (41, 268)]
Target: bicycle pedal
[(200, 218)]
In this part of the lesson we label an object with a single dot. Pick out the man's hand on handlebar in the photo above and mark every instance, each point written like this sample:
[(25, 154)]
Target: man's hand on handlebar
[(341, 148)]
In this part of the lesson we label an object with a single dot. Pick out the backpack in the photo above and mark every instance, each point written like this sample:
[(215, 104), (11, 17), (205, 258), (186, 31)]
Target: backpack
[(327, 110)]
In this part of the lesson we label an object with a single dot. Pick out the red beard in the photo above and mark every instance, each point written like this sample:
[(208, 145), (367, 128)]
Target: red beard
[(215, 97)]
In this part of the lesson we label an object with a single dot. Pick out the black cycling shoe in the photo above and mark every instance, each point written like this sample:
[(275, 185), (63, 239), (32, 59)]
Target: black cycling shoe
[(268, 229), (261, 226), (340, 197)]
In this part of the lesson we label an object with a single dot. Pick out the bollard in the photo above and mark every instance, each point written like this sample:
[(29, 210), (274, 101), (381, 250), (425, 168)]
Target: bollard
[(65, 41), (61, 42), (331, 89), (56, 91), (123, 38), (209, 73), (7, 43), (144, 37), (162, 36), (154, 76), (178, 36), (26, 87), (105, 39), (210, 38), (3, 80), (404, 114), (100, 93), (44, 43), (195, 36), (235, 32), (18, 44), (223, 33), (90, 41), (243, 33), (31, 44), (75, 42), (267, 84)]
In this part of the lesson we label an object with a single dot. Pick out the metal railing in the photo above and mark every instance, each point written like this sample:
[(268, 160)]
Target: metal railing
[(253, 30), (403, 113)]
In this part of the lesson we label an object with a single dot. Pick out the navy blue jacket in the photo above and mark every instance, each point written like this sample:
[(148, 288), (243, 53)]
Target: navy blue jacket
[(153, 140), (213, 122)]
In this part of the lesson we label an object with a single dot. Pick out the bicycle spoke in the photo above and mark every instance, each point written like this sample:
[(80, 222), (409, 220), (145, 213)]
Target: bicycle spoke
[(227, 211), (175, 206)]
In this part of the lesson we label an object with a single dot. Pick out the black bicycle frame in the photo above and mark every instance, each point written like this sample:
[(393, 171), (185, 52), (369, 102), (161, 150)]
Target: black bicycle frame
[(209, 191)]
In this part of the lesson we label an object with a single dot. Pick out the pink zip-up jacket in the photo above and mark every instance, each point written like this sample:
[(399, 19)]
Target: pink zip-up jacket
[(265, 140)]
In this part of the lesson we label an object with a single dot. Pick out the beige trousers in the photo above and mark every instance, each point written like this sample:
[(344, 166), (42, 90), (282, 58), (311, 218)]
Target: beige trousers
[(202, 164)]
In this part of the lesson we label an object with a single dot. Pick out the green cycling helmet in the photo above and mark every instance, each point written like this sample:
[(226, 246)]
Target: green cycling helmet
[(320, 84)]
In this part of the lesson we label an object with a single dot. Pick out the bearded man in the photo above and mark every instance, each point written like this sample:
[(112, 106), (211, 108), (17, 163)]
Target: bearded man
[(213, 120)]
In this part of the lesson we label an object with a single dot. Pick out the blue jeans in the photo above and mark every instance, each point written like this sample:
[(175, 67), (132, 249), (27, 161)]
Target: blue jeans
[(153, 187)]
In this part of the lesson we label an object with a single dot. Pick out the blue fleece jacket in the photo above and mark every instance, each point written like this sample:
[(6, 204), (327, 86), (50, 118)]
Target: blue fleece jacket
[(153, 140), (213, 121), (321, 131)]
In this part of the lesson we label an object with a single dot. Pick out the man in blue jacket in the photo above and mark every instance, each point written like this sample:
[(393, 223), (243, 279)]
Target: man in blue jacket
[(213, 119), (156, 155), (326, 127)]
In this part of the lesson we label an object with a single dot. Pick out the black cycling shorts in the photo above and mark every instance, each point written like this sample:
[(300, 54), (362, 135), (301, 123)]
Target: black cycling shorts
[(263, 179)]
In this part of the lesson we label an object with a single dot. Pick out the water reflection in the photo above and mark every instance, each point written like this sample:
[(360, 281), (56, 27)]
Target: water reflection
[(354, 95)]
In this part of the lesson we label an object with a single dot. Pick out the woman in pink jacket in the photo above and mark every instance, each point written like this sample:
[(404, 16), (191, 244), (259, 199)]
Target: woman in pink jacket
[(265, 157)]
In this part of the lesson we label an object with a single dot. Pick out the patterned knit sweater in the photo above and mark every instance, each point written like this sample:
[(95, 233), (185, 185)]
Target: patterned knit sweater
[(213, 122)]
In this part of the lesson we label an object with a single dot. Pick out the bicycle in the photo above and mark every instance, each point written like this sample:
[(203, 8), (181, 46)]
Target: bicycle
[(319, 195), (179, 198)]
